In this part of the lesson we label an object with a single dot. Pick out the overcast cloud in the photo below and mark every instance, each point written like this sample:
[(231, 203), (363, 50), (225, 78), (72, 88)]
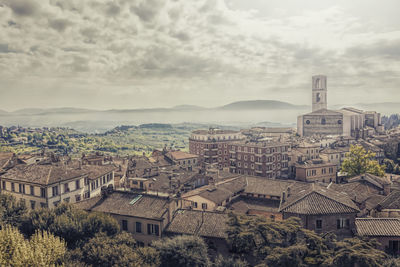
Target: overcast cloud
[(160, 53)]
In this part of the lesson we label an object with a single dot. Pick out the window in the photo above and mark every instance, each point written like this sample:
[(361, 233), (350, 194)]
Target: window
[(43, 192), (204, 206), (339, 121), (67, 199), (343, 223), (33, 203), (138, 227), (323, 121), (43, 205), (22, 188), (195, 205), (66, 188), (318, 224), (77, 198), (4, 185), (77, 184), (153, 229), (32, 190), (125, 225), (104, 179), (55, 191)]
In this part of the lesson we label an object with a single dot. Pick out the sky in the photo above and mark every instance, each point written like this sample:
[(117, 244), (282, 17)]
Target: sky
[(123, 54)]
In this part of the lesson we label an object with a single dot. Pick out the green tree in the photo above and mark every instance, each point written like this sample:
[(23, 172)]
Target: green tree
[(182, 251), (12, 211), (43, 249), (119, 250), (71, 224), (358, 161), (356, 252)]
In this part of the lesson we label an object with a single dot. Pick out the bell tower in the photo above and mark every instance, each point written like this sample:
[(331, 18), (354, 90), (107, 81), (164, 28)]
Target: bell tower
[(319, 93)]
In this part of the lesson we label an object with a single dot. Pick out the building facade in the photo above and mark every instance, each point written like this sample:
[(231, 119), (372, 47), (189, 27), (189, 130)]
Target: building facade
[(266, 159), (212, 146)]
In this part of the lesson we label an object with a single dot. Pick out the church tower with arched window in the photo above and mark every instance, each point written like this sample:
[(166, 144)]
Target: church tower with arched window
[(319, 93)]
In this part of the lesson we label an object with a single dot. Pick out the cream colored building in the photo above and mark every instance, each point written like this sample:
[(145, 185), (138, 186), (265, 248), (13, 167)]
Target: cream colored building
[(46, 185)]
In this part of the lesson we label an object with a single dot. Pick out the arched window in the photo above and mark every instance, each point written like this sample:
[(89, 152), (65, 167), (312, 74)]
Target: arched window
[(317, 83), (323, 121)]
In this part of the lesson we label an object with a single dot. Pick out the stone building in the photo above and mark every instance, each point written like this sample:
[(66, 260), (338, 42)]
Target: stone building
[(212, 146), (344, 122), (320, 209), (316, 171), (145, 216)]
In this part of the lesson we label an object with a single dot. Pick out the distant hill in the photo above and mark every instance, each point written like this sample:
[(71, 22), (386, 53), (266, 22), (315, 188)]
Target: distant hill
[(261, 105), (188, 107), (40, 111)]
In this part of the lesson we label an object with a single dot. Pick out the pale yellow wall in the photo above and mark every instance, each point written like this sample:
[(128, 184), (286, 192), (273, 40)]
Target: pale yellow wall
[(210, 205)]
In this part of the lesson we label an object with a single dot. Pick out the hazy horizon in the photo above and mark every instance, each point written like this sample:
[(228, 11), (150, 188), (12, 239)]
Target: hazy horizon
[(119, 54)]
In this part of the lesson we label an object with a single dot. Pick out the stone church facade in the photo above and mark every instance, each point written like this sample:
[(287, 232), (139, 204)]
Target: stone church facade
[(344, 122)]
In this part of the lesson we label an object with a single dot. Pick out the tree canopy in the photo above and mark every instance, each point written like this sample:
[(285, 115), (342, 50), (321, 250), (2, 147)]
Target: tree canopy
[(359, 161)]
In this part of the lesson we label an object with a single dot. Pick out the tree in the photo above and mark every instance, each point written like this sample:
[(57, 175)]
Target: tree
[(119, 250), (71, 224), (358, 161), (43, 249), (182, 251), (12, 211), (356, 252)]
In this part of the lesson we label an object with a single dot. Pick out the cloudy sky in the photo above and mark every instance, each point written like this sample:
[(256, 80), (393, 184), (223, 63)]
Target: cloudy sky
[(160, 53)]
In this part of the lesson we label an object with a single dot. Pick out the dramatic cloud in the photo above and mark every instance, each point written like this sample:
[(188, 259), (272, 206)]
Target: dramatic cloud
[(145, 53)]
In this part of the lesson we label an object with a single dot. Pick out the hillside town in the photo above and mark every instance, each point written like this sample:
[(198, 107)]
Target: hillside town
[(275, 173)]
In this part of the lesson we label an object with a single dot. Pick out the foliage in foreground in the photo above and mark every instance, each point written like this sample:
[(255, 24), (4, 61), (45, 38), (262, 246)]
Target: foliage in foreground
[(42, 249), (265, 242)]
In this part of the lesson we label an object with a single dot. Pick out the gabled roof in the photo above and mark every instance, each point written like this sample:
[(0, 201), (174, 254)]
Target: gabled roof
[(323, 112), (372, 179), (202, 223), (265, 186), (391, 201), (180, 155), (378, 227), (127, 204), (318, 200)]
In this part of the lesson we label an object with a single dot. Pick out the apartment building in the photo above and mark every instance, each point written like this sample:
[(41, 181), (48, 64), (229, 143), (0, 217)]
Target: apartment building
[(263, 158), (212, 146)]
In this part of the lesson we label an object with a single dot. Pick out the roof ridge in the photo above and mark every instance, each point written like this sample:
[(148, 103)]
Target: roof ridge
[(48, 175)]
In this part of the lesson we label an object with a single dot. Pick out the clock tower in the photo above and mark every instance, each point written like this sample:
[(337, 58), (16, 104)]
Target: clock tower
[(319, 92)]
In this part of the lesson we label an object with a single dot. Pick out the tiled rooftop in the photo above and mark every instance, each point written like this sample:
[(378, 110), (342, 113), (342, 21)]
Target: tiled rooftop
[(202, 223), (121, 203), (378, 227)]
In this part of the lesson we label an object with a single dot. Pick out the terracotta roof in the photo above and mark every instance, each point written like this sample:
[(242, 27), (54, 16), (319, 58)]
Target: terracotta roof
[(43, 174), (378, 227), (243, 205), (5, 157), (391, 201), (370, 178), (318, 200), (128, 204), (178, 155), (202, 223), (264, 186), (357, 191), (96, 171), (223, 191)]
